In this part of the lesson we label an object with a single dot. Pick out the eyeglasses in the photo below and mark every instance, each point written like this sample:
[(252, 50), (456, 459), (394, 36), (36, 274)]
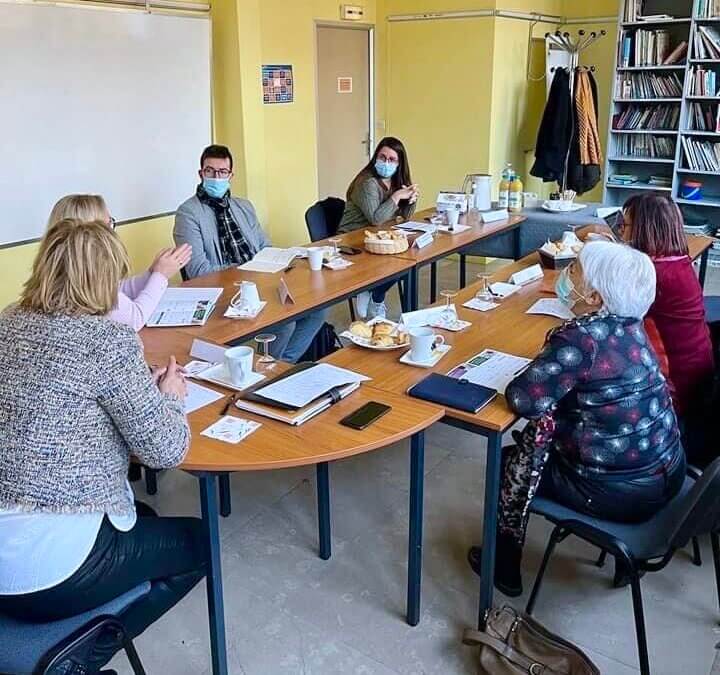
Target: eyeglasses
[(209, 172), (388, 160)]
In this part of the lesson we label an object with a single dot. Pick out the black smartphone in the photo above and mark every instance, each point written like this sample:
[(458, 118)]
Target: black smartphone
[(364, 416), (349, 250)]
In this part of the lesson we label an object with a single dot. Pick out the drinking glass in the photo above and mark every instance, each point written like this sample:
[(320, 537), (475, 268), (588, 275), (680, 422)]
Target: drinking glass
[(484, 291), (448, 315), (266, 361), (335, 241)]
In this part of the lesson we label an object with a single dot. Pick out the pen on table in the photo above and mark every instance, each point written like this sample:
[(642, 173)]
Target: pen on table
[(226, 407)]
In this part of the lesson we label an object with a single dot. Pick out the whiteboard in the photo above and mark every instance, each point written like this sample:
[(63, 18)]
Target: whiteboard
[(99, 101)]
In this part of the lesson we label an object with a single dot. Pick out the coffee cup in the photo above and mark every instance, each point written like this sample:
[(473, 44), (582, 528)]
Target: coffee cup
[(452, 216), (315, 258), (247, 298), (239, 364), (422, 343)]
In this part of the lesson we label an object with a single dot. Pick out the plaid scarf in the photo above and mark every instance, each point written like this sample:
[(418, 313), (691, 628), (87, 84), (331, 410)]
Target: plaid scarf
[(233, 245)]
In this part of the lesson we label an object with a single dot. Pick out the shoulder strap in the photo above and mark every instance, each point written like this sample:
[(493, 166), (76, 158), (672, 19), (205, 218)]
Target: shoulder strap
[(474, 638)]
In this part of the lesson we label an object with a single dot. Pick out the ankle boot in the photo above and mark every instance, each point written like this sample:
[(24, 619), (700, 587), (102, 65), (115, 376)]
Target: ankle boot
[(508, 555)]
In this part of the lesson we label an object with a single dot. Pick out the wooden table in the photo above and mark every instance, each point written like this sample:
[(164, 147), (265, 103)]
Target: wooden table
[(507, 328), (276, 445), (443, 245)]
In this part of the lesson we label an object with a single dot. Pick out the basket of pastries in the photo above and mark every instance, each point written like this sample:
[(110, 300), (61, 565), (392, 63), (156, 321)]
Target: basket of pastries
[(386, 242)]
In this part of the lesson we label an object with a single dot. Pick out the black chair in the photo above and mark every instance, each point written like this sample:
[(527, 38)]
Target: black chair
[(323, 219), (641, 547)]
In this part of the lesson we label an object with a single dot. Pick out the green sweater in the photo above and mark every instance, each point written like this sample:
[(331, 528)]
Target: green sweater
[(369, 204)]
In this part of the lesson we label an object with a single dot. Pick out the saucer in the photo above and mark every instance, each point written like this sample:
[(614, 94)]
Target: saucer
[(218, 374), (437, 354), (232, 313)]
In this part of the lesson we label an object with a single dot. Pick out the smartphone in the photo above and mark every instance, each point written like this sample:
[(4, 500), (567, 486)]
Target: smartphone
[(349, 250), (364, 416)]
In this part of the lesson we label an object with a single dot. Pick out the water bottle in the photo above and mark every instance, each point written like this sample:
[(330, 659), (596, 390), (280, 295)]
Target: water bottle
[(504, 191)]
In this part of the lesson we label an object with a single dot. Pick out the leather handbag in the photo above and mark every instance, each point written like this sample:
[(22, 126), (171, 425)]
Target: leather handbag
[(514, 644)]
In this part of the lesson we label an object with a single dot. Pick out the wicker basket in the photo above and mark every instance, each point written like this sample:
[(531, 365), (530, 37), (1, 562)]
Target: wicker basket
[(386, 246)]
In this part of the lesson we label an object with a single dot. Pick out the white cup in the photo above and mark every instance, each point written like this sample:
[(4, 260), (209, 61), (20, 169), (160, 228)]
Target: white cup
[(452, 216), (315, 258), (247, 298), (422, 343), (239, 364)]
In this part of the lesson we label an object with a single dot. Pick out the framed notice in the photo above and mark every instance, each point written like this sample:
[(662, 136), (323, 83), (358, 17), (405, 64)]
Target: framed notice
[(277, 84)]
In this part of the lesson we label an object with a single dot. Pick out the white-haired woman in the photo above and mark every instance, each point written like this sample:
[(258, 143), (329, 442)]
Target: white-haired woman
[(602, 436)]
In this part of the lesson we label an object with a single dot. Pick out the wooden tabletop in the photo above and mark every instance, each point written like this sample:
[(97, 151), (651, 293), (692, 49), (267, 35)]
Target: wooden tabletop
[(444, 243), (277, 445), (309, 290)]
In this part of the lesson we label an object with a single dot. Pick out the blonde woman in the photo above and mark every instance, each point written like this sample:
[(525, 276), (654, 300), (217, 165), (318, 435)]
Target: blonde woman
[(138, 296), (71, 413)]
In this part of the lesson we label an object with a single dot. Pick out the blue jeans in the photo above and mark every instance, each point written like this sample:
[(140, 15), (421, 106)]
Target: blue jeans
[(293, 338), (378, 293)]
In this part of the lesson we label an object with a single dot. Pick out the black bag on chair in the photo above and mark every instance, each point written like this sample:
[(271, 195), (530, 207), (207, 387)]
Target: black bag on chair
[(325, 342)]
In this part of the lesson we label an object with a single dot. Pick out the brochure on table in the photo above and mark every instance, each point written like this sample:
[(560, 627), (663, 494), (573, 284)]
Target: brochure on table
[(491, 368), (184, 307)]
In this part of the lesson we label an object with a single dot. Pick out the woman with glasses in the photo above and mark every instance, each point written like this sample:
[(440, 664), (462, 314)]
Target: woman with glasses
[(602, 437), (653, 224), (138, 296), (382, 191)]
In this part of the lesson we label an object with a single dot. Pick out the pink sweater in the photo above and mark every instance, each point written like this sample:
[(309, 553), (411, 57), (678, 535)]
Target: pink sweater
[(137, 299)]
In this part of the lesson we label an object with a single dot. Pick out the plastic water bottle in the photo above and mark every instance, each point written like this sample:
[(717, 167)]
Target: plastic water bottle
[(504, 192)]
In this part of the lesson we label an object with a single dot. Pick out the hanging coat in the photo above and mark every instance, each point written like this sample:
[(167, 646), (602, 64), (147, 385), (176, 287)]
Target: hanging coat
[(583, 172), (555, 131)]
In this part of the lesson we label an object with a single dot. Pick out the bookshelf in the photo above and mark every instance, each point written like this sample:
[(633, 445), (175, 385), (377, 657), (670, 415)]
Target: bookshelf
[(687, 147)]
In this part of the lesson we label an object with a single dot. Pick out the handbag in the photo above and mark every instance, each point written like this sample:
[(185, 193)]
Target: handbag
[(325, 342), (514, 643)]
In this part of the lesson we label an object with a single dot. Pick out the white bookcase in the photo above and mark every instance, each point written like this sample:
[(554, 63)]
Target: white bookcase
[(682, 27)]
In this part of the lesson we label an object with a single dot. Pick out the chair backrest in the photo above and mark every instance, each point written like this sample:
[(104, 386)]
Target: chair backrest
[(700, 512), (323, 218)]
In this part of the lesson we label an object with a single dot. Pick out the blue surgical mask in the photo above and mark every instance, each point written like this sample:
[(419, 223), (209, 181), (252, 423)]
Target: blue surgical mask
[(564, 288), (216, 187), (385, 169)]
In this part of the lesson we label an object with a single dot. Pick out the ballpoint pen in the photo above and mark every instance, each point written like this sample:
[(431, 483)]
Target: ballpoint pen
[(226, 407)]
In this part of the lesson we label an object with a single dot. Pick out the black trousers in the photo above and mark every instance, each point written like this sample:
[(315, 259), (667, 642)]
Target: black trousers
[(169, 552)]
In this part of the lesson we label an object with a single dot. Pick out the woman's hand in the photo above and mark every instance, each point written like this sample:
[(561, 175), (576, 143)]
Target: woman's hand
[(171, 260), (172, 381), (405, 192)]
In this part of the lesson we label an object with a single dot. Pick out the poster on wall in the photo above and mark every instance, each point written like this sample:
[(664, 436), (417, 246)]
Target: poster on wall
[(277, 83)]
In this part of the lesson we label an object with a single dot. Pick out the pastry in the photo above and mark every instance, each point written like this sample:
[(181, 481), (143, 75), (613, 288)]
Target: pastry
[(380, 329), (383, 341), (361, 329), (402, 338)]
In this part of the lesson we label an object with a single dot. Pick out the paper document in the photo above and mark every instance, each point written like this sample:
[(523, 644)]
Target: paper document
[(206, 351), (417, 226), (491, 369), (503, 290), (458, 229), (480, 305), (551, 307), (270, 260), (300, 389), (231, 429), (198, 397), (185, 307), (422, 317)]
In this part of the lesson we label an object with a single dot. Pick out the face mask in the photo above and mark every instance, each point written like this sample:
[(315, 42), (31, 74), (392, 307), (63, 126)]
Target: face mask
[(385, 169), (564, 288), (216, 187)]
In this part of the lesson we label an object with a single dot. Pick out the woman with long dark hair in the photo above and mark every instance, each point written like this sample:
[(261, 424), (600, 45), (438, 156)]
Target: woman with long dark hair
[(381, 191), (653, 224)]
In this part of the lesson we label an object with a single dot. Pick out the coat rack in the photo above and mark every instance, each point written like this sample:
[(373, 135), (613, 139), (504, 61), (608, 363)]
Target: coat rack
[(574, 47)]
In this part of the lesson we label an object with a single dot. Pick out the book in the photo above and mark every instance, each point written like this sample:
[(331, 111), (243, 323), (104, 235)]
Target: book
[(270, 260), (184, 307), (676, 55)]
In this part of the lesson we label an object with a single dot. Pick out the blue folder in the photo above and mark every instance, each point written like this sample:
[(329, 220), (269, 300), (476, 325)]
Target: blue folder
[(453, 393)]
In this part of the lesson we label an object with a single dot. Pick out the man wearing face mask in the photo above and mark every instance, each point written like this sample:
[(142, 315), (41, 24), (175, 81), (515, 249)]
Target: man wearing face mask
[(602, 437), (224, 231)]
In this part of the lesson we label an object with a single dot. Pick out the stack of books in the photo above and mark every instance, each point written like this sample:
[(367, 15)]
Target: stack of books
[(701, 155), (661, 116), (702, 118), (708, 9), (706, 43), (653, 147), (660, 181), (649, 48), (702, 227), (648, 85), (702, 82), (623, 179)]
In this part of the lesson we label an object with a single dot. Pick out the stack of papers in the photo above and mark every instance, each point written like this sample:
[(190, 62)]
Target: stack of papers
[(185, 307), (416, 226)]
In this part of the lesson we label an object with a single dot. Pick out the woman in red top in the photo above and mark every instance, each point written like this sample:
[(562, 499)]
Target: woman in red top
[(653, 224)]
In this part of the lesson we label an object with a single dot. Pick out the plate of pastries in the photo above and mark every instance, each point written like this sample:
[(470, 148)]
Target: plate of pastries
[(377, 334), (385, 242)]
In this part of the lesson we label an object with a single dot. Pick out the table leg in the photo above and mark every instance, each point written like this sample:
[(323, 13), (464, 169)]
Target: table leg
[(413, 283), (463, 270), (517, 253), (323, 499), (703, 266), (417, 461), (433, 282), (225, 499), (492, 496), (216, 611), (151, 480)]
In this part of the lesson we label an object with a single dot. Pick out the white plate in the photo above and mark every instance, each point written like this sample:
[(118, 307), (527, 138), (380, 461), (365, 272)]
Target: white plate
[(232, 313), (365, 342), (218, 374), (437, 354), (574, 207)]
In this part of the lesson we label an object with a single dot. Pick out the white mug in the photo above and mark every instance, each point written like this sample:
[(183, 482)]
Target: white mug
[(315, 258), (422, 343), (239, 364), (247, 298), (452, 216)]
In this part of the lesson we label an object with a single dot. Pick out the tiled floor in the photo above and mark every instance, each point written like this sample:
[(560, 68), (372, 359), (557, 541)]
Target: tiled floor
[(288, 612)]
